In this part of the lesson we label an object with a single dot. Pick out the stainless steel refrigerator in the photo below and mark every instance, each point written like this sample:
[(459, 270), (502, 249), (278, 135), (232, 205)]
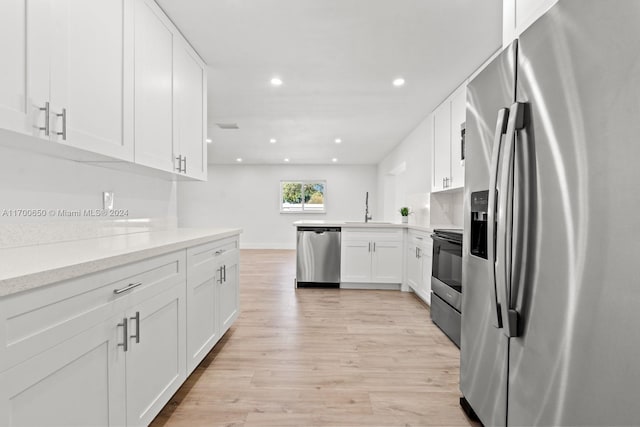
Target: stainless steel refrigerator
[(551, 261)]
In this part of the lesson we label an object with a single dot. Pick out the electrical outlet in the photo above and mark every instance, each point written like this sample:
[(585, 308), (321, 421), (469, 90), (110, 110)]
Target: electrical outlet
[(107, 200)]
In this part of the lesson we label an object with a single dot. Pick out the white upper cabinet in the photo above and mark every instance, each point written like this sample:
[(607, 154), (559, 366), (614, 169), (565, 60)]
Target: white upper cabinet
[(153, 87), (189, 111), (68, 78), (13, 48), (448, 118), (458, 117), (91, 76), (112, 78), (441, 146)]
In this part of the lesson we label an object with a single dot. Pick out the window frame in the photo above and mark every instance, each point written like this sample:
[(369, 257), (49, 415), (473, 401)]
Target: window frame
[(302, 182)]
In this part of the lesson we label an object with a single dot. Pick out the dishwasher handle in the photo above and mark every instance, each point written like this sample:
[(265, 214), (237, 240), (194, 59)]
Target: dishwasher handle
[(320, 230)]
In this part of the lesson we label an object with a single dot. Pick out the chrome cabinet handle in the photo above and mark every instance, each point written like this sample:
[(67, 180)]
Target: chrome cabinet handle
[(419, 252), (224, 269), (64, 124), (501, 129), (220, 252), (179, 159), (184, 170), (137, 334), (46, 118), (220, 275), (369, 246), (127, 288), (374, 246), (125, 334)]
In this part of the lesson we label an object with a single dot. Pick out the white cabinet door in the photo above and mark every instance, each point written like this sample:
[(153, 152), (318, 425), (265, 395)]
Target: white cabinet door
[(156, 365), (441, 146), (202, 309), (426, 257), (189, 111), (355, 261), (79, 382), (25, 41), (386, 262), (458, 117), (414, 274), (229, 292), (92, 76), (13, 54), (153, 87)]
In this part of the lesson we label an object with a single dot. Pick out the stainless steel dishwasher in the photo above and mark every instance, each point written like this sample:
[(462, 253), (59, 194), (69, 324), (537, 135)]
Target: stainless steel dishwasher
[(318, 257)]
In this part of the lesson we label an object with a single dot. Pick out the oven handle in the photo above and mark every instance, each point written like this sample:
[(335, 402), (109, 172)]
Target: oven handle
[(444, 239), (501, 129)]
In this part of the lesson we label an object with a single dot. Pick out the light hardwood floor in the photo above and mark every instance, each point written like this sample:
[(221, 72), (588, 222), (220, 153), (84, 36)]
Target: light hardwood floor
[(321, 357)]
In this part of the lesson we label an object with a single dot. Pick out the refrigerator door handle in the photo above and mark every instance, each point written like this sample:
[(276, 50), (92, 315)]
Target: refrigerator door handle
[(501, 129), (511, 318)]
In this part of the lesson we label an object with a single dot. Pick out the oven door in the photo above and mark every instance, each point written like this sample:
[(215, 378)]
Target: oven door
[(447, 261)]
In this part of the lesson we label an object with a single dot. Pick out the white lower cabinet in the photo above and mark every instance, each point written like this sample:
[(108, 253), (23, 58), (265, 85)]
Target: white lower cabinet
[(418, 256), (212, 296), (79, 382), (111, 348), (156, 354), (371, 255), (229, 301)]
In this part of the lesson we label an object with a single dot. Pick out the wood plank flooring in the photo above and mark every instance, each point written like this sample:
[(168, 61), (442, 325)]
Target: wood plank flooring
[(321, 357)]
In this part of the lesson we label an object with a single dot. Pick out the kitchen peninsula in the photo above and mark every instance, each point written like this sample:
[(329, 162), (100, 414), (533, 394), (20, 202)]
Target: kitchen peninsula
[(377, 255)]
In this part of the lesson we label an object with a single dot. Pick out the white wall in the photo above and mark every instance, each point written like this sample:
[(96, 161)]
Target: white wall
[(247, 196), (33, 181), (404, 176)]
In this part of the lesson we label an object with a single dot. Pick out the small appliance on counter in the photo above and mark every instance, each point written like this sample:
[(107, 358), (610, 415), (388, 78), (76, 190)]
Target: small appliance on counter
[(446, 282)]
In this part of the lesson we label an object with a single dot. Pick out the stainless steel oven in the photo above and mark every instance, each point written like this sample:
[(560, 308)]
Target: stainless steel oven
[(446, 282)]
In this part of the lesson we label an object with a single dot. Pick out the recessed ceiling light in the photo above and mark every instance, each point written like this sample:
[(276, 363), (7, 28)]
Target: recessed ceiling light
[(338, 140), (286, 159), (276, 81), (398, 82), (209, 140), (239, 160), (272, 140), (334, 160)]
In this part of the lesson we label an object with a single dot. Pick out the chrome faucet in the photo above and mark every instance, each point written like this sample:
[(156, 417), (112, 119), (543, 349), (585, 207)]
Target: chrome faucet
[(367, 215)]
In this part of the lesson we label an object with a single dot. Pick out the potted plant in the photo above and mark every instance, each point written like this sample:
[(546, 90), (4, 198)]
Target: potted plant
[(404, 211)]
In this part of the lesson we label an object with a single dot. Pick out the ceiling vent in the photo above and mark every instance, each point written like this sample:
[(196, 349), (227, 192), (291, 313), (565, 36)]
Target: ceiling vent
[(227, 125)]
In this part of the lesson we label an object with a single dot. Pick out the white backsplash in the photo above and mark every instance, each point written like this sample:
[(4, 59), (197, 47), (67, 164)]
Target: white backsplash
[(29, 234), (420, 208), (447, 209)]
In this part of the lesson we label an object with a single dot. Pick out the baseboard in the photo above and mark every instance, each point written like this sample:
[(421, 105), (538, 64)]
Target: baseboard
[(376, 286)]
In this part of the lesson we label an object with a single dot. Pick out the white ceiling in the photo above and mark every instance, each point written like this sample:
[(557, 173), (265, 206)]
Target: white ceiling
[(337, 59)]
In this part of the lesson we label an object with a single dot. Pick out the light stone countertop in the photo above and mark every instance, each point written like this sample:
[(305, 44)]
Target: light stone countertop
[(28, 267), (361, 224)]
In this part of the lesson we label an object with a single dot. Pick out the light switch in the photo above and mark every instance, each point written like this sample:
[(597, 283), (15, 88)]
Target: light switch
[(107, 200)]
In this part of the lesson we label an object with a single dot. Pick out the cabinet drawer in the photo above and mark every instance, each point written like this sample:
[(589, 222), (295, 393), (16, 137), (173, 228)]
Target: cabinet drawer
[(203, 260), (33, 321), (372, 234)]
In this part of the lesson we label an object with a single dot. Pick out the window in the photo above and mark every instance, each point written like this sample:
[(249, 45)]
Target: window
[(302, 196)]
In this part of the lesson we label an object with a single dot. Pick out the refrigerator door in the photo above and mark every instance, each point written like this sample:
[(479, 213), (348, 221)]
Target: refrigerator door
[(484, 348), (576, 361)]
